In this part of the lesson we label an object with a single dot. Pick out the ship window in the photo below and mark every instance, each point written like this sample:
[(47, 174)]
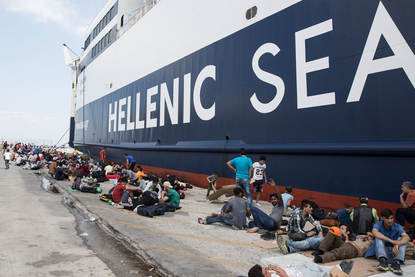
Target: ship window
[(250, 13)]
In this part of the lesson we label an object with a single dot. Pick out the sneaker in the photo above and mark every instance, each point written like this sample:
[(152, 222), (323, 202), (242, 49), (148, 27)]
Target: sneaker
[(282, 245), (257, 203), (395, 267), (383, 265)]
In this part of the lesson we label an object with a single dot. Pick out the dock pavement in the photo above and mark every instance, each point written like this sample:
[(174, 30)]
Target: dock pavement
[(177, 245)]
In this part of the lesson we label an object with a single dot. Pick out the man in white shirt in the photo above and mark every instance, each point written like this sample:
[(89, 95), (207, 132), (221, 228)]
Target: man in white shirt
[(259, 177), (7, 158)]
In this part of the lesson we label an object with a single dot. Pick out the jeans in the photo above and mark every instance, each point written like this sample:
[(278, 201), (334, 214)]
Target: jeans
[(309, 243), (7, 163), (219, 218), (386, 251), (245, 185), (261, 220)]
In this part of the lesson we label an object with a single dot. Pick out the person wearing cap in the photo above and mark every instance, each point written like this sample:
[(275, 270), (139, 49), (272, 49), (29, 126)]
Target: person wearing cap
[(407, 212), (170, 196), (363, 217)]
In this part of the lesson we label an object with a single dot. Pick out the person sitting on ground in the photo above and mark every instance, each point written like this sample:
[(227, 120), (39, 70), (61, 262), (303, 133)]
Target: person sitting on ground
[(60, 173), (52, 168), (287, 199), (148, 198), (337, 246), (407, 212), (307, 269), (259, 177), (304, 232), (268, 222), (212, 183), (390, 243), (120, 188), (84, 170), (170, 196), (130, 175), (363, 217), (233, 213), (343, 215), (129, 161), (109, 168), (140, 174)]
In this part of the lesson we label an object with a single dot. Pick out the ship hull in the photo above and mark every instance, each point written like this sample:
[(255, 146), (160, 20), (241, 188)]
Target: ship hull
[(325, 89)]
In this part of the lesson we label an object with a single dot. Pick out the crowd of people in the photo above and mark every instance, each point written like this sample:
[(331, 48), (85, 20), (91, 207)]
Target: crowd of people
[(345, 234)]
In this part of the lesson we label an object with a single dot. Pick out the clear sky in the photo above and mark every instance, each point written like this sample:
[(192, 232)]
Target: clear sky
[(35, 82)]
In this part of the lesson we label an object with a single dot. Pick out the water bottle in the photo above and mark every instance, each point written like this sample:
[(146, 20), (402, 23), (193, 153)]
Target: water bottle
[(110, 202)]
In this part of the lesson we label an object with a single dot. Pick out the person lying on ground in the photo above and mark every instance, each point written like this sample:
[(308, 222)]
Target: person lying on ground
[(307, 269), (407, 212), (212, 183), (341, 250), (268, 222), (343, 215), (390, 243), (304, 232), (170, 196), (363, 217), (233, 213)]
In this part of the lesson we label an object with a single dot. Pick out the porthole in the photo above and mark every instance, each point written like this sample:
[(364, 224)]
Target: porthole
[(250, 13)]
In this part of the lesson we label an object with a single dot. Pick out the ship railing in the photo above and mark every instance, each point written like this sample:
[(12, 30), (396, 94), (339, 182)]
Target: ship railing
[(133, 16)]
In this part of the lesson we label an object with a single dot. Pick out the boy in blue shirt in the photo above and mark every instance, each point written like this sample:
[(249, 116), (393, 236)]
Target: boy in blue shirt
[(390, 243), (242, 166)]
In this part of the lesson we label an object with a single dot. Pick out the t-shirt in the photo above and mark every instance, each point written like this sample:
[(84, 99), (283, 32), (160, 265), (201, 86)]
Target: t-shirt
[(108, 169), (410, 199), (7, 156), (237, 207), (130, 159), (285, 197), (174, 197), (148, 198), (212, 178), (242, 165), (393, 233), (140, 175), (258, 171), (276, 213), (117, 193)]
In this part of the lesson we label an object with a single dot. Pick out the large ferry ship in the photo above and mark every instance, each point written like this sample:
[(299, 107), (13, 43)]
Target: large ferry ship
[(324, 88)]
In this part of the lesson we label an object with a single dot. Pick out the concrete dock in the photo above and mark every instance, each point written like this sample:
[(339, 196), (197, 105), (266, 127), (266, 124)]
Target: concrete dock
[(175, 244)]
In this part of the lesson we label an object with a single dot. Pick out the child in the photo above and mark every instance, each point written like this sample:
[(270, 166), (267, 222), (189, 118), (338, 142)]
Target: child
[(259, 177), (287, 199), (212, 183)]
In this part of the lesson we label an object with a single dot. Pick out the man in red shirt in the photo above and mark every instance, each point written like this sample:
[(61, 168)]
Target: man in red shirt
[(407, 212), (122, 187), (102, 155)]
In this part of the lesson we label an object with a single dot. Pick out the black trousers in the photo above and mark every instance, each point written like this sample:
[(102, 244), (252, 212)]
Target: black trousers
[(403, 214)]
